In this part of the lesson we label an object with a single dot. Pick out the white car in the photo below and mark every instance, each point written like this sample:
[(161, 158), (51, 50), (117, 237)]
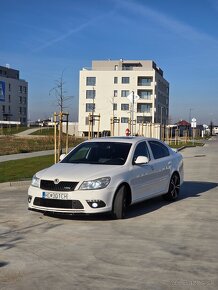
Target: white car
[(108, 175)]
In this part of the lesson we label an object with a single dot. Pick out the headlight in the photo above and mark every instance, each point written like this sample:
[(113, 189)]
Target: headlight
[(35, 181), (95, 184)]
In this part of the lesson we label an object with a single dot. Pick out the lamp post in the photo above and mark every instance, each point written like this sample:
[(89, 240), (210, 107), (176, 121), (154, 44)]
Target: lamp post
[(93, 107), (133, 97), (161, 115)]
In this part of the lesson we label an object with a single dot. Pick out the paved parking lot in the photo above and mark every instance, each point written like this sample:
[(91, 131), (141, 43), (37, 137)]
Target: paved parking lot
[(158, 246)]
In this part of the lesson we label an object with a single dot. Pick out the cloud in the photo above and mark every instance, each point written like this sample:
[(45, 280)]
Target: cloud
[(182, 29), (73, 31)]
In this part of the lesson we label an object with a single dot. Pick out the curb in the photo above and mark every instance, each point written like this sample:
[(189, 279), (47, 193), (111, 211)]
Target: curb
[(15, 183)]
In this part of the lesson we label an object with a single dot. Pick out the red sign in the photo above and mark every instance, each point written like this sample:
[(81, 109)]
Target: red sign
[(127, 132)]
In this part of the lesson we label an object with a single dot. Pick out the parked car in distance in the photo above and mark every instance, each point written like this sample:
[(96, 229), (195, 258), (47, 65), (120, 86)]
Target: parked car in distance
[(108, 175)]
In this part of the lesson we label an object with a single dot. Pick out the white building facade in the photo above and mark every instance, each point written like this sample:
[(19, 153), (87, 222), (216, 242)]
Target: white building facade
[(104, 90)]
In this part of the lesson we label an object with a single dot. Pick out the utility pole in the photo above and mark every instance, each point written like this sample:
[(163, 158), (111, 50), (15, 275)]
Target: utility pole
[(133, 97), (190, 115), (93, 107)]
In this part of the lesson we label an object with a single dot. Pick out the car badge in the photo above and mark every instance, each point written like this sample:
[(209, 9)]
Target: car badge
[(56, 181)]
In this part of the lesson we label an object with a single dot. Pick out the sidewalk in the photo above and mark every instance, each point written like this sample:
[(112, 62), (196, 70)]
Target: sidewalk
[(25, 155)]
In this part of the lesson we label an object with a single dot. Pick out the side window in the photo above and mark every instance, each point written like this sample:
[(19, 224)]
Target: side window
[(158, 149), (141, 150)]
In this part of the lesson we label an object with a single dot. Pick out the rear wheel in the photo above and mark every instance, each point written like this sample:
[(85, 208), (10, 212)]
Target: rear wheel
[(174, 188), (120, 203)]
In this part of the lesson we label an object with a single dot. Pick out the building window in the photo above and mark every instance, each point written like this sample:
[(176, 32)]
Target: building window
[(20, 89), (143, 119), (90, 94), (144, 81), (24, 111), (25, 89), (115, 93), (3, 109), (124, 120), (9, 98), (24, 120), (20, 100), (124, 93), (90, 107), (9, 109), (20, 110), (125, 80), (9, 87), (114, 107), (24, 100), (145, 94), (115, 80), (143, 108), (124, 107), (91, 81)]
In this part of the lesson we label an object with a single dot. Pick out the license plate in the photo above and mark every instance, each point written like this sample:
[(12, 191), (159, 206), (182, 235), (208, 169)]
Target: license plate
[(54, 195)]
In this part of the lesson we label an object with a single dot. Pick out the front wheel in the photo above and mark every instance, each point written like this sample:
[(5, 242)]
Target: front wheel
[(174, 188), (119, 204)]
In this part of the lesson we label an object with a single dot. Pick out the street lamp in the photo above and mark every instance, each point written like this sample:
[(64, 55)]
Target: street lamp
[(161, 115), (93, 107)]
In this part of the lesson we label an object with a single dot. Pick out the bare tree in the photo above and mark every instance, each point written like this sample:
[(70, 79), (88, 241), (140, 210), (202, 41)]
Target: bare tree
[(60, 94)]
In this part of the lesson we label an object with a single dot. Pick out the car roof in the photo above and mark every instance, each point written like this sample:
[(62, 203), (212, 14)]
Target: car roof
[(124, 139)]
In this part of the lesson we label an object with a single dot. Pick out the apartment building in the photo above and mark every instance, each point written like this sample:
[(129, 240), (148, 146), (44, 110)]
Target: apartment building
[(104, 91), (13, 97)]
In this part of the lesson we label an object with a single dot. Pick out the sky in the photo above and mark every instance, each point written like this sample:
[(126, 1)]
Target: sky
[(47, 38)]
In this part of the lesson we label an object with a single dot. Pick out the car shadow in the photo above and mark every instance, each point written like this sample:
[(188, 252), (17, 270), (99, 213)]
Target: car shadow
[(3, 264), (188, 189)]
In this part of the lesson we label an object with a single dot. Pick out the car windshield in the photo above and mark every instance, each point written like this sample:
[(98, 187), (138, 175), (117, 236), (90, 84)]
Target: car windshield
[(110, 153)]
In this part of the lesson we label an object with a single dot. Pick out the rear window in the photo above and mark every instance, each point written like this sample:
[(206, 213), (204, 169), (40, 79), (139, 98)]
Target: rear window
[(158, 149)]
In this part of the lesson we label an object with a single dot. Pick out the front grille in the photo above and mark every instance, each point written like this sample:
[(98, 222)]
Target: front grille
[(57, 203), (61, 186)]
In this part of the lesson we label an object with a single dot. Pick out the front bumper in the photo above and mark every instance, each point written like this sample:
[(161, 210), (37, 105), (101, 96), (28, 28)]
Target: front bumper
[(78, 201)]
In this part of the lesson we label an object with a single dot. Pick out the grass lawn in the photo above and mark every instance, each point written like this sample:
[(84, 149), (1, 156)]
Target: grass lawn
[(13, 145), (188, 144), (12, 130), (16, 170), (44, 132), (22, 169)]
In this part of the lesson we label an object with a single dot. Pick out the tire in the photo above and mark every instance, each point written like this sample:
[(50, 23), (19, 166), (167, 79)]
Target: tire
[(120, 203), (174, 188)]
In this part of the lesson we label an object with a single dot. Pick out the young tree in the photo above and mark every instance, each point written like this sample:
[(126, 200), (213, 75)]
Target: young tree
[(60, 94)]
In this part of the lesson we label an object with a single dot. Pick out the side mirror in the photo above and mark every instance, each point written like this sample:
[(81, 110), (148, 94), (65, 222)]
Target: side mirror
[(175, 149), (62, 157), (141, 160)]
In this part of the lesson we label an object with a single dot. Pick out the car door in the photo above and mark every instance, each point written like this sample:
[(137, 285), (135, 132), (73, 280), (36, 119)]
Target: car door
[(162, 164), (141, 174)]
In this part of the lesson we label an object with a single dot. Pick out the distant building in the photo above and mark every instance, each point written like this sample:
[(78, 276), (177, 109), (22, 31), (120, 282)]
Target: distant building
[(104, 89), (13, 97), (215, 130)]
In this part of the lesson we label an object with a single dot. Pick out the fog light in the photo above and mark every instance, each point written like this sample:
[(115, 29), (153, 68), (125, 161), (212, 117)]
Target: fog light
[(96, 203), (29, 198)]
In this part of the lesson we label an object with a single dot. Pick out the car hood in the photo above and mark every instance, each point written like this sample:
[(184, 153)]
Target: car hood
[(78, 172)]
